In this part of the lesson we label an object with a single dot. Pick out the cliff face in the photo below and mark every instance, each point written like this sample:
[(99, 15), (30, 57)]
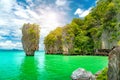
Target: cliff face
[(53, 42), (30, 38), (56, 48), (67, 41), (114, 64)]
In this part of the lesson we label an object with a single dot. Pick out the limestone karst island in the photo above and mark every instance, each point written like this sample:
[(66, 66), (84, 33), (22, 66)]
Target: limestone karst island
[(59, 39), (30, 38)]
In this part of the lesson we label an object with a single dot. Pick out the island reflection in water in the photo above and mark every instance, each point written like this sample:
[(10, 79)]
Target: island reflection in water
[(32, 68)]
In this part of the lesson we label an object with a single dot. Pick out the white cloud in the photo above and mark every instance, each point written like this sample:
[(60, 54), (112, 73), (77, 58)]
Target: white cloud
[(17, 34), (1, 38), (33, 14), (6, 5), (78, 11), (2, 22), (10, 45), (4, 32), (31, 4), (60, 2), (82, 13), (22, 14), (13, 16)]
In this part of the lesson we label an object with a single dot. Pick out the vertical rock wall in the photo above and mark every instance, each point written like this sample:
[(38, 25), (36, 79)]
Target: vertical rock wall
[(114, 64), (67, 40), (30, 38), (53, 42)]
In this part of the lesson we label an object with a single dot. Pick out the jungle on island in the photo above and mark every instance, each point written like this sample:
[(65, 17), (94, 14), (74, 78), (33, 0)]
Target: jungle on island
[(100, 29)]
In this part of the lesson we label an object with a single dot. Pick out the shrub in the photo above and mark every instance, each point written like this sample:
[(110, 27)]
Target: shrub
[(102, 75)]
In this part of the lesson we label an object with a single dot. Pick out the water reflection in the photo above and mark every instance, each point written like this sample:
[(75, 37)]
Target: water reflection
[(29, 70)]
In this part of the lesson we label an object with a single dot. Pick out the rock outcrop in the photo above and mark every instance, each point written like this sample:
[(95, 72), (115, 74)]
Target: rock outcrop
[(59, 41), (114, 64), (103, 52), (81, 74), (30, 38), (67, 40), (53, 42)]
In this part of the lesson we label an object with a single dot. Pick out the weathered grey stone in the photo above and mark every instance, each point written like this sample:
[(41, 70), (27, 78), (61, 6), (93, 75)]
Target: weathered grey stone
[(114, 64), (81, 74), (30, 38)]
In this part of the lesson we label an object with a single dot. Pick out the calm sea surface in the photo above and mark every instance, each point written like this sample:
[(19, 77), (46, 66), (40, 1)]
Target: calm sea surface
[(14, 65)]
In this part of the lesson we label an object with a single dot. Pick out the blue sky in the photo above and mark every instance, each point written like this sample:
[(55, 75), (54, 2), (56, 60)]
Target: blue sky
[(49, 14)]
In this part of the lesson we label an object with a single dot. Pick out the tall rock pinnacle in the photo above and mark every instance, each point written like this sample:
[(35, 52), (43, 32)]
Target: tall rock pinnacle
[(30, 38)]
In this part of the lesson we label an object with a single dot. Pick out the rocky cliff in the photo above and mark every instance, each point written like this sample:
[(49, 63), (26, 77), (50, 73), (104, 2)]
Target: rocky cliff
[(53, 42), (30, 38), (114, 64), (67, 39)]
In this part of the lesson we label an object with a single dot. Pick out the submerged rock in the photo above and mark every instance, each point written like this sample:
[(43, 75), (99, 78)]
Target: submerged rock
[(114, 64), (30, 38), (81, 74)]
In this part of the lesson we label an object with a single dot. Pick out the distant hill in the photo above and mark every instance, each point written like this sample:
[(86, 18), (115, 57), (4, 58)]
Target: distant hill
[(10, 50)]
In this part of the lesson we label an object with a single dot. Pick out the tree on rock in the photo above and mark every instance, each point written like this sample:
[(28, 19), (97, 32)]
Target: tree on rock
[(30, 38)]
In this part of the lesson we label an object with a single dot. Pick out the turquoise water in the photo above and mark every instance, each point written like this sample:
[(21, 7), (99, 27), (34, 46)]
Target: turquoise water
[(14, 65)]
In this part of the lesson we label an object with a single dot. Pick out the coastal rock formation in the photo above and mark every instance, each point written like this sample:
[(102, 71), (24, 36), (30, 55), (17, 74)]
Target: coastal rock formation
[(81, 74), (114, 64), (53, 42), (59, 41), (67, 41), (103, 52), (30, 38)]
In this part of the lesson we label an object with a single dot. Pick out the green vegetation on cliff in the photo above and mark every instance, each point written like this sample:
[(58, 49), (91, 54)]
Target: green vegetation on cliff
[(102, 75), (30, 38), (53, 41), (99, 29)]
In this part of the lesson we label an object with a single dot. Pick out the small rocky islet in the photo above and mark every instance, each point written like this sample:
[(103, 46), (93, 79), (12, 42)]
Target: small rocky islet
[(30, 38)]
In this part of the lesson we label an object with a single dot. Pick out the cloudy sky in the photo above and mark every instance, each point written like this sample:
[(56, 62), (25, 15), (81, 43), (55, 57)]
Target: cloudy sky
[(49, 14)]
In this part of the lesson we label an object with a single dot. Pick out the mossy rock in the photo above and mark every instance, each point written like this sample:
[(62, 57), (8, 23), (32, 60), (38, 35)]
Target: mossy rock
[(102, 75)]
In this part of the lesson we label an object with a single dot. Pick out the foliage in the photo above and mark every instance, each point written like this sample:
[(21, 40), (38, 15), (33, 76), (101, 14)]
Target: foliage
[(102, 75), (54, 40), (30, 37), (83, 36), (33, 31)]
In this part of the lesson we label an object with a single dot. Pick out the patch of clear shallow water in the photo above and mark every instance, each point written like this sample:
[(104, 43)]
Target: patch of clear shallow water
[(14, 65)]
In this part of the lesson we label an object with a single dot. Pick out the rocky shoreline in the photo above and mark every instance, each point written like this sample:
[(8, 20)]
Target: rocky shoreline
[(113, 72)]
